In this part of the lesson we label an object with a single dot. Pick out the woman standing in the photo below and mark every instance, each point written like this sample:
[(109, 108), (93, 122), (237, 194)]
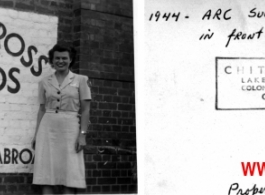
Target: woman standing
[(59, 139)]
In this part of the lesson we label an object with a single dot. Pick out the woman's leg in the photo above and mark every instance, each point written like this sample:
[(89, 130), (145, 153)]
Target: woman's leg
[(68, 190), (47, 189)]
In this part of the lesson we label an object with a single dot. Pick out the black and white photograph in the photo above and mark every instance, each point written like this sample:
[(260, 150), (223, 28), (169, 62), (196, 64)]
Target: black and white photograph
[(67, 97)]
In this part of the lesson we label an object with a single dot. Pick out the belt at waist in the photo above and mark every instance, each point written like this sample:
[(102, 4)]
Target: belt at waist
[(62, 111)]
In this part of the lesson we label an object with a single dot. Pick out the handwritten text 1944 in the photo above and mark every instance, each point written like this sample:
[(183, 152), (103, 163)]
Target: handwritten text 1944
[(219, 14)]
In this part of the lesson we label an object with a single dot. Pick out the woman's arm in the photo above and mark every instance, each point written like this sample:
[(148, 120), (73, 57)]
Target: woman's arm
[(85, 112), (39, 117)]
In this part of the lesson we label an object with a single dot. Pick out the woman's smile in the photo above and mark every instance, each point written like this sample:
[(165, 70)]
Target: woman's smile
[(61, 64)]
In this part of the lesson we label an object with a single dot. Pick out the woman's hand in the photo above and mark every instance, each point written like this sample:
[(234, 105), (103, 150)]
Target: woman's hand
[(80, 143)]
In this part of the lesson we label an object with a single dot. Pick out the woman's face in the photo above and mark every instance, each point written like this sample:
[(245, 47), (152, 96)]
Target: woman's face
[(61, 61)]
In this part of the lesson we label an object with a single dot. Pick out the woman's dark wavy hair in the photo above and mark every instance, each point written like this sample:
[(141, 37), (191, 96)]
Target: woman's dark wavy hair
[(61, 48)]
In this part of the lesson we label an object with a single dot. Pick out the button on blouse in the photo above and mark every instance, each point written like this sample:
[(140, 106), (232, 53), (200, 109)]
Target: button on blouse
[(67, 96)]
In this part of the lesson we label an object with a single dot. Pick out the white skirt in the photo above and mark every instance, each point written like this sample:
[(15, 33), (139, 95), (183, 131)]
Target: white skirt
[(56, 161)]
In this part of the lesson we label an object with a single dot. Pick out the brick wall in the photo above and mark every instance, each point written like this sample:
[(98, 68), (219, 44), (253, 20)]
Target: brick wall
[(102, 32), (104, 36)]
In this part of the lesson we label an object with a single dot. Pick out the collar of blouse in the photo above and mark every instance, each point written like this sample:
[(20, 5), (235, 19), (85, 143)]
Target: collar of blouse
[(67, 80)]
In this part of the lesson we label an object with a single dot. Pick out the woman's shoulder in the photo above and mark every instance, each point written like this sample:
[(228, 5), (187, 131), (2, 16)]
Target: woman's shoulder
[(80, 77), (46, 78)]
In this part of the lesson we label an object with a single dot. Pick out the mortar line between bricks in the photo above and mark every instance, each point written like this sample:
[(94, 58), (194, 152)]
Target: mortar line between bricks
[(111, 79), (106, 13)]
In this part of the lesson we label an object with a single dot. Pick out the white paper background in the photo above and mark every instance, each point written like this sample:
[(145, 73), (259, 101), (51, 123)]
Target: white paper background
[(188, 146)]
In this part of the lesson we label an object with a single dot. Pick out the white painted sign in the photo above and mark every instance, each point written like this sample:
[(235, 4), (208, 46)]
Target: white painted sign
[(25, 39), (240, 83)]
